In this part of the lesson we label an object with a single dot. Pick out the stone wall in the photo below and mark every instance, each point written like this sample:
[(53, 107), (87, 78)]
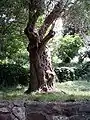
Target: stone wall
[(12, 110), (58, 111), (22, 110)]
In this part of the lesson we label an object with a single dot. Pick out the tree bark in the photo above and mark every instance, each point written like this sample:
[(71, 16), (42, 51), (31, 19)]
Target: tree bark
[(40, 68), (41, 72)]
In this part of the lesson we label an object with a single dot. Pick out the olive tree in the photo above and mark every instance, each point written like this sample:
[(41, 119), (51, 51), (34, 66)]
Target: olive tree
[(41, 71)]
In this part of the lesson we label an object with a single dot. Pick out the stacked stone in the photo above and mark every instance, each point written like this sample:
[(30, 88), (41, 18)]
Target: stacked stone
[(58, 111), (20, 110), (12, 110)]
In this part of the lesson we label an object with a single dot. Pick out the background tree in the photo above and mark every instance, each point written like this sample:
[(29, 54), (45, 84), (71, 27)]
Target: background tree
[(69, 47), (78, 16), (13, 15), (13, 52)]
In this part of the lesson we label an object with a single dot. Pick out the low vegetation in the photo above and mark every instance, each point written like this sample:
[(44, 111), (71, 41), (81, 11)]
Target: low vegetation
[(67, 91), (12, 75)]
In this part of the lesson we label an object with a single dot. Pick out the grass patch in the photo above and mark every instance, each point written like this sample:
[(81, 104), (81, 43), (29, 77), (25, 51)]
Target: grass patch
[(67, 91)]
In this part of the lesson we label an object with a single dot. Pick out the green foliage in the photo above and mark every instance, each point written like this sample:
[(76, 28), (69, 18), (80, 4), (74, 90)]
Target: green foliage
[(69, 47), (79, 72), (54, 45), (83, 71), (79, 16), (13, 74), (63, 49), (13, 17), (40, 21), (13, 42), (65, 74)]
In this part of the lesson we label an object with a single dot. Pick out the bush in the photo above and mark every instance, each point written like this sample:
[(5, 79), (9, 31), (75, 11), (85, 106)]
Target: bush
[(83, 71), (64, 74), (69, 47), (13, 74)]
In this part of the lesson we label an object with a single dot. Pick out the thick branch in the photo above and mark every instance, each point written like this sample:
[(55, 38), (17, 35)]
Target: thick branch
[(47, 38), (35, 10), (59, 8), (33, 16), (56, 12), (50, 35)]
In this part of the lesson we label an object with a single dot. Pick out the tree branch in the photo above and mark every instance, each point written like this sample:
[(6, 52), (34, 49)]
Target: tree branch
[(33, 16), (35, 10), (56, 12), (47, 37)]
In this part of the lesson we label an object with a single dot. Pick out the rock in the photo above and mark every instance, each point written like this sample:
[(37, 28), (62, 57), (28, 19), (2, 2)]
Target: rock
[(4, 110), (85, 108), (19, 112), (4, 103), (77, 117), (19, 103), (37, 116), (60, 117), (5, 117)]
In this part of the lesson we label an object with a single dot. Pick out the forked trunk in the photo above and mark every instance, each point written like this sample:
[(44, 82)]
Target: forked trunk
[(41, 73)]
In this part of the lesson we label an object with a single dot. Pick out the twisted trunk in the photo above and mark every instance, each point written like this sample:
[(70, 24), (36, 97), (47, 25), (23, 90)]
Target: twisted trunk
[(39, 67), (41, 73)]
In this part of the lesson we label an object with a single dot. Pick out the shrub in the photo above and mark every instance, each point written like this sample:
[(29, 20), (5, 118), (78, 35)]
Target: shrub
[(13, 74), (69, 47), (83, 71), (64, 74)]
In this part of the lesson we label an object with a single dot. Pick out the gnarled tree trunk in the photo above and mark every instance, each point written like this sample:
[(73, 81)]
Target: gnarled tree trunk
[(41, 72)]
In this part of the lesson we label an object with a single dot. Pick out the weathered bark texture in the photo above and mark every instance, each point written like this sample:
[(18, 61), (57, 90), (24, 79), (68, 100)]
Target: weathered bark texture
[(41, 73)]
